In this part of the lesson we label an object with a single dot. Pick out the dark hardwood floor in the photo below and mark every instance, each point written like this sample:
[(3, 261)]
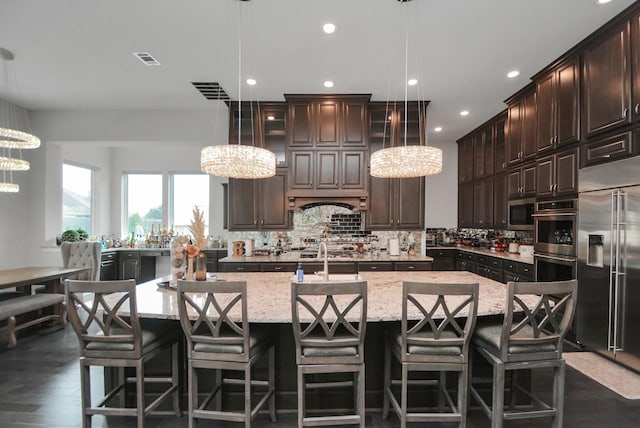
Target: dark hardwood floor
[(40, 387)]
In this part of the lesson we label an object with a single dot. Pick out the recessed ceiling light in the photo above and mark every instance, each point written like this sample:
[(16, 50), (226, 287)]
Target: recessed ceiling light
[(513, 73), (412, 82), (329, 28), (328, 84), (603, 1), (251, 81), (437, 128), (464, 113)]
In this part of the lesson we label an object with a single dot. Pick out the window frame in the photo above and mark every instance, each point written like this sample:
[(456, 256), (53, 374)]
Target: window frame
[(93, 188)]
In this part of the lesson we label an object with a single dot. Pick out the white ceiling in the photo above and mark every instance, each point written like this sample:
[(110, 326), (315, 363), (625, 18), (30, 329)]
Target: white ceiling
[(77, 54)]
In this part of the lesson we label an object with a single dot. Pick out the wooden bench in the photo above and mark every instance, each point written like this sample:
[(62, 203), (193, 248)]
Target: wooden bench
[(11, 308)]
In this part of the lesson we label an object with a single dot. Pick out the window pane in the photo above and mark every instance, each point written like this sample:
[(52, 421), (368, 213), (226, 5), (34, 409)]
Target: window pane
[(76, 197), (144, 202), (189, 190)]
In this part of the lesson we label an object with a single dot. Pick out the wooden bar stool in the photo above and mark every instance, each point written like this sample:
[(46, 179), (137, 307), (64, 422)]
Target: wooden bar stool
[(329, 323), (434, 335)]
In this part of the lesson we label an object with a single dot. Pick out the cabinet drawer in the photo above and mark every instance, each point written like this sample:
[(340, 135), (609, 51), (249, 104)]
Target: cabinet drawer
[(129, 255), (111, 255), (442, 253), (279, 267), (312, 267), (418, 266), (375, 266), (240, 267), (607, 150)]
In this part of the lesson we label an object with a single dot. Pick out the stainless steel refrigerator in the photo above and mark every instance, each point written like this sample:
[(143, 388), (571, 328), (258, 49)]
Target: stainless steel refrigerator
[(608, 311)]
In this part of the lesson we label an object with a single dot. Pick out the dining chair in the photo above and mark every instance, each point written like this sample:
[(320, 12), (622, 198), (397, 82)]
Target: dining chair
[(530, 336), (214, 318), (105, 318), (329, 324), (434, 335), (82, 254)]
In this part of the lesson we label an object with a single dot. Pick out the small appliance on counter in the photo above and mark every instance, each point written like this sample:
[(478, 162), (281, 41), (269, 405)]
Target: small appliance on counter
[(514, 247), (526, 250)]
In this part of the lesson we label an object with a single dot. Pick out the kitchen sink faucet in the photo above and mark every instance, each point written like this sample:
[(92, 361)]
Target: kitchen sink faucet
[(325, 273)]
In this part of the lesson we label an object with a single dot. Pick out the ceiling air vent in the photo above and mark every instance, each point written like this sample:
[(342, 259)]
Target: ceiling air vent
[(146, 58), (211, 90)]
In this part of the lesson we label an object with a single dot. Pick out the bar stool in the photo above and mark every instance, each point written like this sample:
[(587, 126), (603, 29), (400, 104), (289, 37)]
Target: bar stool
[(434, 335), (111, 339), (215, 322), (535, 323), (329, 323)]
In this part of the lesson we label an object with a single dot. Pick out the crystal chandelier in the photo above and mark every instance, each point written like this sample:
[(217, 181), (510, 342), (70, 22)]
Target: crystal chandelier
[(10, 137), (406, 161), (237, 160)]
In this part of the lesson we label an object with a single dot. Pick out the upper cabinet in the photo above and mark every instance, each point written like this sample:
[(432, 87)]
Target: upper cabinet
[(465, 159), (521, 127), (387, 124), (607, 81), (500, 150), (557, 106), (327, 121), (260, 124)]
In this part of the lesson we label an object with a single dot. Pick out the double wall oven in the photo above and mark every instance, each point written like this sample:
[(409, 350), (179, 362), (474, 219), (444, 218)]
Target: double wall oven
[(555, 233)]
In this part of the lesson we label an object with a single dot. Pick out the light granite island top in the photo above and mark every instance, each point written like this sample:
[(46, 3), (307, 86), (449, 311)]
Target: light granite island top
[(269, 294)]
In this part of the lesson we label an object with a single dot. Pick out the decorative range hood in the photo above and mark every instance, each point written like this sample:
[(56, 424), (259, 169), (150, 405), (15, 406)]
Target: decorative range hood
[(356, 201)]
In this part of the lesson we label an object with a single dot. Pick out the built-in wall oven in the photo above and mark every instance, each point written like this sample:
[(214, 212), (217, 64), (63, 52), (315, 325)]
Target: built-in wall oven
[(555, 231)]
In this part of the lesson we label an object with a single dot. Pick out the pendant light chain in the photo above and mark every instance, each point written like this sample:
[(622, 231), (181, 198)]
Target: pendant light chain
[(406, 71)]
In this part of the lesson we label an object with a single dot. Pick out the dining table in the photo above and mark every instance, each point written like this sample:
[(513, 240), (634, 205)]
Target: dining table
[(23, 278)]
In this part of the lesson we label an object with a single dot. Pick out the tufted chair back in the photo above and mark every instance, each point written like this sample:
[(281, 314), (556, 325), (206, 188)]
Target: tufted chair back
[(82, 254)]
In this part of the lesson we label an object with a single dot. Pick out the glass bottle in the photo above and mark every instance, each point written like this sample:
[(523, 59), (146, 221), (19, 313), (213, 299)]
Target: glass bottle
[(201, 266)]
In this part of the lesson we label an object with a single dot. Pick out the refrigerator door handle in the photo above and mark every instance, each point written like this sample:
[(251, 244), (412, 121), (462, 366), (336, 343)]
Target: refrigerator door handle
[(611, 317), (618, 195)]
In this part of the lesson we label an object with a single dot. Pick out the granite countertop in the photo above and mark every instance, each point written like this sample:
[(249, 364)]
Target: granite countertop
[(269, 294), (294, 256), (150, 250), (516, 257)]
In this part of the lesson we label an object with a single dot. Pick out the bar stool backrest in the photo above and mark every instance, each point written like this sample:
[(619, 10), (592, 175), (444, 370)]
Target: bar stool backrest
[(537, 318), (213, 315), (437, 316), (112, 329), (329, 315)]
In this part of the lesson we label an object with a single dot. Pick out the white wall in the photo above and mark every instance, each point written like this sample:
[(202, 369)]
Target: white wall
[(114, 142)]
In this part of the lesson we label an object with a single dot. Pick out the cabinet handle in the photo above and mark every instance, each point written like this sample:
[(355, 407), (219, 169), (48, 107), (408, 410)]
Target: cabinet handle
[(240, 268), (374, 267), (410, 267), (278, 268), (625, 113), (636, 109), (261, 222), (504, 165), (551, 188)]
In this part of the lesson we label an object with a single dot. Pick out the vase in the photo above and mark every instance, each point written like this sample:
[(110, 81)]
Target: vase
[(178, 249), (201, 266), (190, 270)]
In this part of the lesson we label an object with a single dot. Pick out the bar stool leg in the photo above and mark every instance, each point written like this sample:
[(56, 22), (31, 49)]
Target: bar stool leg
[(301, 401), (558, 393), (387, 383), (404, 398), (247, 396), (193, 393), (361, 396), (497, 405), (85, 381), (140, 392), (272, 383)]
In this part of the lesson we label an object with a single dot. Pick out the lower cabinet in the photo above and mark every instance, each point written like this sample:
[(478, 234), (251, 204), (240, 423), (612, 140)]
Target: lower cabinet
[(212, 258), (109, 266), (375, 266), (516, 271), (129, 265), (240, 267), (408, 266), (443, 259)]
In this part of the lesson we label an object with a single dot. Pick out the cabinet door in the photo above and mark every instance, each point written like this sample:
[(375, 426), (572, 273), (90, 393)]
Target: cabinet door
[(545, 112), (528, 180), (273, 210), (478, 155), (300, 124), (465, 160), (243, 213), (529, 146), (410, 203), (567, 99), (465, 205), (327, 123), (327, 169), (487, 150), (129, 265), (242, 125), (566, 171), (635, 67), (514, 134), (607, 82), (514, 187), (483, 203), (354, 123), (302, 169), (500, 201), (353, 170), (414, 118), (380, 213), (545, 172), (274, 127), (500, 160)]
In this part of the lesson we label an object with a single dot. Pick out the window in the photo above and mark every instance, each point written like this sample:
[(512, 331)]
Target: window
[(77, 202), (187, 192), (143, 199)]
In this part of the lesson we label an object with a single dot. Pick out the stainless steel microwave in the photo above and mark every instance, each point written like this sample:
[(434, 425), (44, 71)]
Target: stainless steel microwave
[(520, 214)]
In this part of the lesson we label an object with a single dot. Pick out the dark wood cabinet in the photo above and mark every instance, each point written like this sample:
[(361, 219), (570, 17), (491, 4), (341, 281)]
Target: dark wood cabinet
[(413, 266), (129, 265), (483, 203), (213, 255), (607, 81), (500, 202), (607, 149), (259, 204), (521, 182), (500, 149), (328, 169), (443, 258), (557, 174), (109, 266), (465, 159), (521, 127), (387, 124), (483, 152), (375, 266), (465, 205), (557, 106), (396, 203)]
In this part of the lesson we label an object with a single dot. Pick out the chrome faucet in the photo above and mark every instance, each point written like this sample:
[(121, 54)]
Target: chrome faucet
[(325, 273)]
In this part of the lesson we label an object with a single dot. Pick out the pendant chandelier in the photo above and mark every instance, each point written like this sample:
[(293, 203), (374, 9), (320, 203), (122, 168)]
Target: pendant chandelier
[(407, 160), (11, 138), (237, 160)]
